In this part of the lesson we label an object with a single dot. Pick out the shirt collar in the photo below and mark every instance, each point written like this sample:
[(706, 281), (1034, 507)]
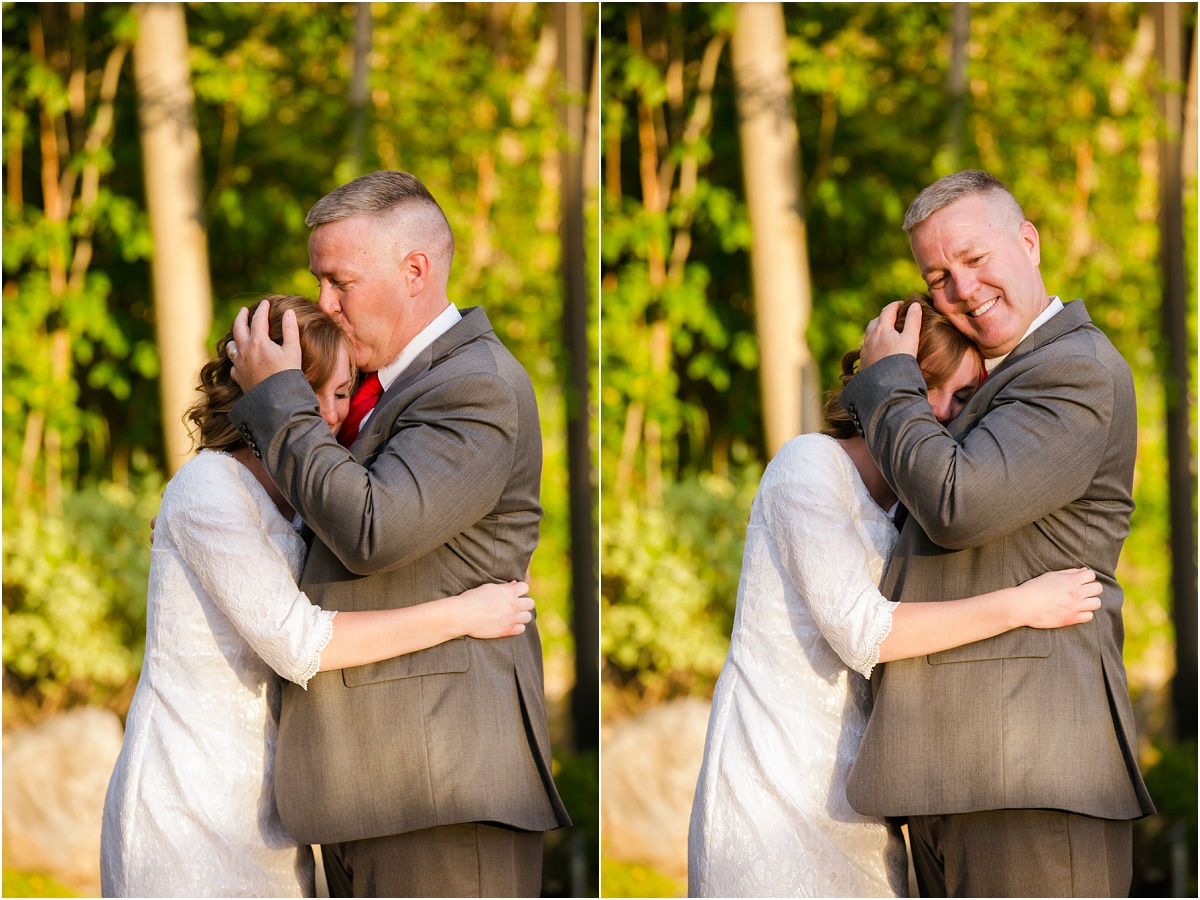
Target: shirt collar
[(1054, 308), (426, 336)]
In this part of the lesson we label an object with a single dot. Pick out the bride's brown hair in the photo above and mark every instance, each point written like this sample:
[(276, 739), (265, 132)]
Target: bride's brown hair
[(320, 337), (939, 352)]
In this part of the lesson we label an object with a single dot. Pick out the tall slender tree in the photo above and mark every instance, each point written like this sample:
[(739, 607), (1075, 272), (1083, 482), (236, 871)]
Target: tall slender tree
[(73, 150), (359, 89), (1181, 463), (585, 609), (171, 163), (956, 84), (770, 142)]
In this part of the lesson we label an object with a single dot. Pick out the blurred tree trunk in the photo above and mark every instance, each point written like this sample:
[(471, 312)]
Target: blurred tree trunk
[(1182, 485), (770, 144), (1188, 152), (363, 32), (957, 80), (591, 141), (581, 487), (171, 161)]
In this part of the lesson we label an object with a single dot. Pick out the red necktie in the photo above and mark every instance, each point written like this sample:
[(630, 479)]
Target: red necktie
[(361, 403)]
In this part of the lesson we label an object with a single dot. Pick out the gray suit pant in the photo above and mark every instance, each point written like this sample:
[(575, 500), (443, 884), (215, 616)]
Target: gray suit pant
[(469, 860), (1021, 853)]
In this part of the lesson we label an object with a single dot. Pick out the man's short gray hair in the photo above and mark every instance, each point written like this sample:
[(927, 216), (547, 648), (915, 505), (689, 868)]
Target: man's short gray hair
[(378, 194), (954, 187)]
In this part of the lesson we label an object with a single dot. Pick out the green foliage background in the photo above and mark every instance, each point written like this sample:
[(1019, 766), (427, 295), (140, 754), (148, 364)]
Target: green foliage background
[(1059, 104), (466, 96)]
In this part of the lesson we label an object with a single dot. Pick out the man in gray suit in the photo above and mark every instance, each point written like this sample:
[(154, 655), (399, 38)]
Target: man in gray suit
[(1013, 758), (427, 774)]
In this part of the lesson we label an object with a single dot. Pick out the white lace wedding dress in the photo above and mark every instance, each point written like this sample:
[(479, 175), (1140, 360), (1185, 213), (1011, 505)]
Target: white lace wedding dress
[(190, 810), (770, 818)]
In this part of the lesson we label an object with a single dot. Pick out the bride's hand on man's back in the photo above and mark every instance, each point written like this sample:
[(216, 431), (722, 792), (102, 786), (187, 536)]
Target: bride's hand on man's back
[(1055, 599), (496, 610)]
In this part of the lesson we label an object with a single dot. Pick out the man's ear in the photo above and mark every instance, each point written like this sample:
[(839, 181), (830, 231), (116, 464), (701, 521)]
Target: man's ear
[(415, 269), (1030, 240)]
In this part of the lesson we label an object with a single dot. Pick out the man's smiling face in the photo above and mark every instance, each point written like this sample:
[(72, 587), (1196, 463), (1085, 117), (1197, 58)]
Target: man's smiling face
[(981, 267)]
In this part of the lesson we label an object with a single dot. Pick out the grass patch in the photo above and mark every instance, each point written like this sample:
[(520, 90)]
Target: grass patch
[(30, 884), (625, 880)]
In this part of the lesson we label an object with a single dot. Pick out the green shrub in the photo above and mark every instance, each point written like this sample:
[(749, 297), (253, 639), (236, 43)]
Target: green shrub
[(669, 589), (75, 594), (570, 863), (1165, 844)]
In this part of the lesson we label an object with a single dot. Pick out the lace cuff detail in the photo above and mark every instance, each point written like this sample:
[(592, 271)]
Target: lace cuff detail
[(883, 627), (326, 635)]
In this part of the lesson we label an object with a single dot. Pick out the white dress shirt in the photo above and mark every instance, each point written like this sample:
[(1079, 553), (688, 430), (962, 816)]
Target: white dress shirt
[(1053, 309), (446, 320)]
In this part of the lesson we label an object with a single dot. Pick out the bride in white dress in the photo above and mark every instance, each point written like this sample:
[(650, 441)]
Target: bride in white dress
[(190, 809), (770, 817)]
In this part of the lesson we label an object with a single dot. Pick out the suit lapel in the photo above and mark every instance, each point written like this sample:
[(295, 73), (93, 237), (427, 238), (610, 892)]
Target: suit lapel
[(1074, 315), (473, 325)]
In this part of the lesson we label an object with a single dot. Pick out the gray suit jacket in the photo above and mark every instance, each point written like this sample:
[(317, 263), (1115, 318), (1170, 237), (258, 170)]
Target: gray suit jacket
[(438, 494), (1035, 475)]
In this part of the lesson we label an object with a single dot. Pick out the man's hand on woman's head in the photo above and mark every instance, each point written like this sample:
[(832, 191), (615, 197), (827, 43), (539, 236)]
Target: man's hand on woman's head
[(883, 337), (254, 355)]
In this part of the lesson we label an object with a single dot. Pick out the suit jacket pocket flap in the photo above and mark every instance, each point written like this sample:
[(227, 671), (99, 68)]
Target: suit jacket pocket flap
[(1017, 644), (443, 659)]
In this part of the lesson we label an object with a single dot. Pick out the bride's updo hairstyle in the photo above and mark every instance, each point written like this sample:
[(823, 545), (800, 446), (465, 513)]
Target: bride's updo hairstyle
[(939, 353), (320, 338)]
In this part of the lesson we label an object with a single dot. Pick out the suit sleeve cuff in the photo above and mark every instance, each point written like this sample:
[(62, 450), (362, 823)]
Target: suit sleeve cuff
[(867, 391)]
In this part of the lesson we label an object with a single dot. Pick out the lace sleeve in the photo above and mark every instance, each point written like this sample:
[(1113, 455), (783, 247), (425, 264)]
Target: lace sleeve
[(810, 508), (218, 531)]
